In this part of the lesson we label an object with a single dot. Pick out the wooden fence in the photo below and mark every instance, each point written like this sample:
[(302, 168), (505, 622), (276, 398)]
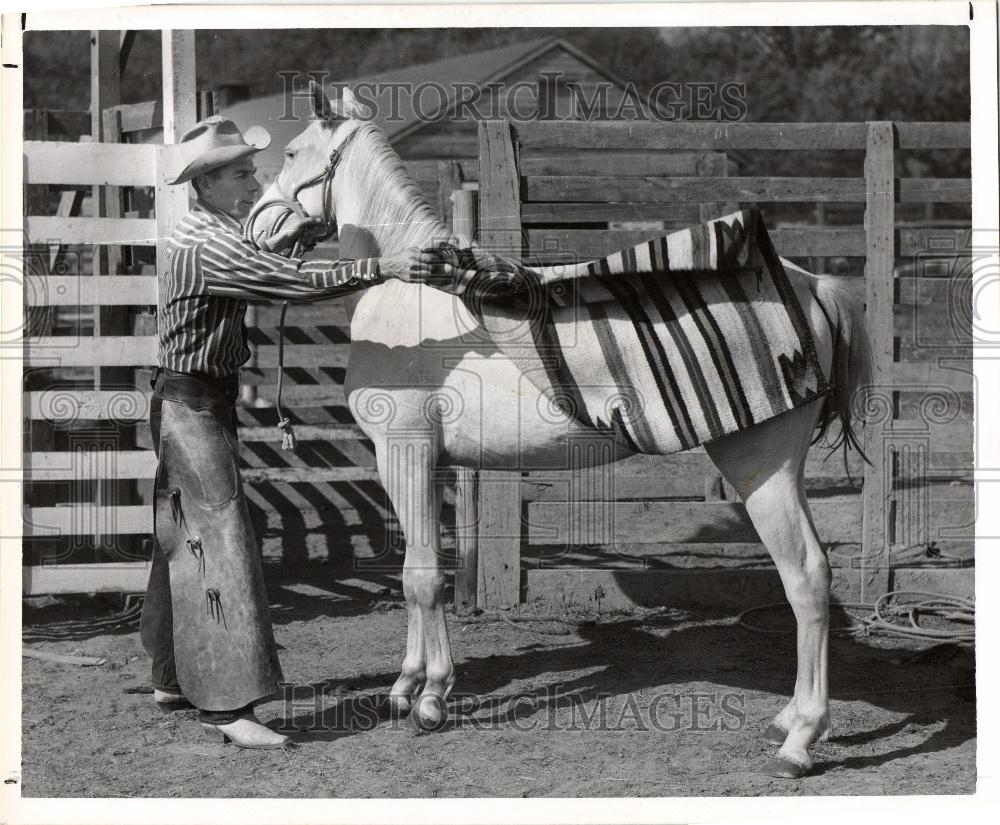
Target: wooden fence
[(95, 210), (915, 506), (550, 189), (90, 279)]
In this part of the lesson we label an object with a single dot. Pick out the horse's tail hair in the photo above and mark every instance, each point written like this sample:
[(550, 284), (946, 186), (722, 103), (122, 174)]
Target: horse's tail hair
[(851, 372)]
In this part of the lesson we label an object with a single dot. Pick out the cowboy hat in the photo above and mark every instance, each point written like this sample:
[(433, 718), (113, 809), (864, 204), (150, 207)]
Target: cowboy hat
[(214, 142)]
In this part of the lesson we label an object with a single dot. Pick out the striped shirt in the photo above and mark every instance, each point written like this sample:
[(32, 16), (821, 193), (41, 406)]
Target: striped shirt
[(212, 271)]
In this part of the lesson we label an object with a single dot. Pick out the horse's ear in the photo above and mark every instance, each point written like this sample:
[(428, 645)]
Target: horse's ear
[(349, 104), (321, 105)]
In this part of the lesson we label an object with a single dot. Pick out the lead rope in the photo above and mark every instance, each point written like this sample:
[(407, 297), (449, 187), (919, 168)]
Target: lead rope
[(288, 441)]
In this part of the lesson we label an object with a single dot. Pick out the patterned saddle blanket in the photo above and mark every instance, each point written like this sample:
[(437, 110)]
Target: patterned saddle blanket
[(677, 341)]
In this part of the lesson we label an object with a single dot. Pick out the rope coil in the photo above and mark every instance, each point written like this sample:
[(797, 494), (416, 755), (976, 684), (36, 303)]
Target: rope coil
[(954, 609)]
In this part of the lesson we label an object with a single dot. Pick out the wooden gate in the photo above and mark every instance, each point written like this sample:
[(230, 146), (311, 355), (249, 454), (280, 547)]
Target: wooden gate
[(87, 474), (916, 500)]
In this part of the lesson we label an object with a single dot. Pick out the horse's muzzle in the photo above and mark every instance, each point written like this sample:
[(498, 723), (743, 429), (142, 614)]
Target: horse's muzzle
[(268, 216)]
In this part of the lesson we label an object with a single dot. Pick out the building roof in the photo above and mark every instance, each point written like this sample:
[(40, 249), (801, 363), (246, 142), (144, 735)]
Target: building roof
[(478, 68)]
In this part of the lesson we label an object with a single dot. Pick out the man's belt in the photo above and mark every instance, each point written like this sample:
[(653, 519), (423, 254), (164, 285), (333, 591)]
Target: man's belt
[(197, 390)]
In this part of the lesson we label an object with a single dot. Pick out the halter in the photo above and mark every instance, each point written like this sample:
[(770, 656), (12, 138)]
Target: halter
[(326, 179)]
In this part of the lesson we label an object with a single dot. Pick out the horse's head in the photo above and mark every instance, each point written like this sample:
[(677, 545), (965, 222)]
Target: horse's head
[(343, 169), (312, 160)]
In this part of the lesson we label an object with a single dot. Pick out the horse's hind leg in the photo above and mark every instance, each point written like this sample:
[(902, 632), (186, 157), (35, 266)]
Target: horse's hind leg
[(406, 466), (766, 464)]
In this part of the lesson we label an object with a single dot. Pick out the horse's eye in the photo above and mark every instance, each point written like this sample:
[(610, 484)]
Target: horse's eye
[(290, 154)]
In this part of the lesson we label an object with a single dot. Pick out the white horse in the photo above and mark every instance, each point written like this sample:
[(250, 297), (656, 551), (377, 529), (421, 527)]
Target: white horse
[(426, 398)]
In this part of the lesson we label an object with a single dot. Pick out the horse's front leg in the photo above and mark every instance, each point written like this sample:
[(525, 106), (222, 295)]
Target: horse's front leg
[(406, 466), (411, 672)]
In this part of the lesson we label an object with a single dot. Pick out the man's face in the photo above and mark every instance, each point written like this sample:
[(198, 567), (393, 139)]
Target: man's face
[(234, 190)]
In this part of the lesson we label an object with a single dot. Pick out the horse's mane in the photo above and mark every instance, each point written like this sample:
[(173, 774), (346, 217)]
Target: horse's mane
[(393, 207)]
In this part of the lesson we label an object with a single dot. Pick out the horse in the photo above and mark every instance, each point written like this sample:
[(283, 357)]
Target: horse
[(426, 398)]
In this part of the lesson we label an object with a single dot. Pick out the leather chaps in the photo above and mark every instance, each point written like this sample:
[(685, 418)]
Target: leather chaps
[(205, 621)]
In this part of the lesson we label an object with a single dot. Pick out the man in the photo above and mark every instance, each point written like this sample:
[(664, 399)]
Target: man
[(205, 621)]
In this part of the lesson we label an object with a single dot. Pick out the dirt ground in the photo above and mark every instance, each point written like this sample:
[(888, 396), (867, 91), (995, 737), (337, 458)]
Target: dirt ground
[(645, 704)]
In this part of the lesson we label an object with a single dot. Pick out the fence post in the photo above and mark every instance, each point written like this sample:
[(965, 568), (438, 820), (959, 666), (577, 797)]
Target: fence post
[(178, 115), (464, 208), (499, 189), (467, 540), (38, 321), (179, 93), (463, 224), (449, 179), (879, 296), (125, 44), (499, 542), (105, 91)]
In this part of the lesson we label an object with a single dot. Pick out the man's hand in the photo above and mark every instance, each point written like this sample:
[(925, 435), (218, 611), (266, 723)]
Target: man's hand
[(413, 265), (308, 230)]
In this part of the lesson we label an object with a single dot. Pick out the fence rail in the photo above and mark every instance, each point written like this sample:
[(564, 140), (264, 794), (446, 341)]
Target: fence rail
[(723, 137)]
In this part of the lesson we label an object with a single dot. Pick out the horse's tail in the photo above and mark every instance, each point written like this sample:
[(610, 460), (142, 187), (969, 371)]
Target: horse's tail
[(850, 374)]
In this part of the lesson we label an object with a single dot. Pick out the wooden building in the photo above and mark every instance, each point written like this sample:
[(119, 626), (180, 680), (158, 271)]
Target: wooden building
[(430, 111)]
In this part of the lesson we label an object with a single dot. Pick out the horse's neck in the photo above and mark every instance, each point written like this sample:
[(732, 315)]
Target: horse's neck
[(379, 209), (388, 235), (379, 198)]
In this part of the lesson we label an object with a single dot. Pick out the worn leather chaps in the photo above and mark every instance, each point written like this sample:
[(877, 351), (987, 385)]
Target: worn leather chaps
[(205, 616)]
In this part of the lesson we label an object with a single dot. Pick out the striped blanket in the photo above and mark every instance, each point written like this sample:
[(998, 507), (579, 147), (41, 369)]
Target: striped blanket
[(669, 344)]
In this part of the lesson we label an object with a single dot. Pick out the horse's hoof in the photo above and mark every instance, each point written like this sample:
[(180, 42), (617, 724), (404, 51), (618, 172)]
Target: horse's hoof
[(775, 735), (782, 768), (399, 705), (430, 714)]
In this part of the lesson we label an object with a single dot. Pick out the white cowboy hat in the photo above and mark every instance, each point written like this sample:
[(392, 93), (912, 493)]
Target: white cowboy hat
[(214, 142)]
